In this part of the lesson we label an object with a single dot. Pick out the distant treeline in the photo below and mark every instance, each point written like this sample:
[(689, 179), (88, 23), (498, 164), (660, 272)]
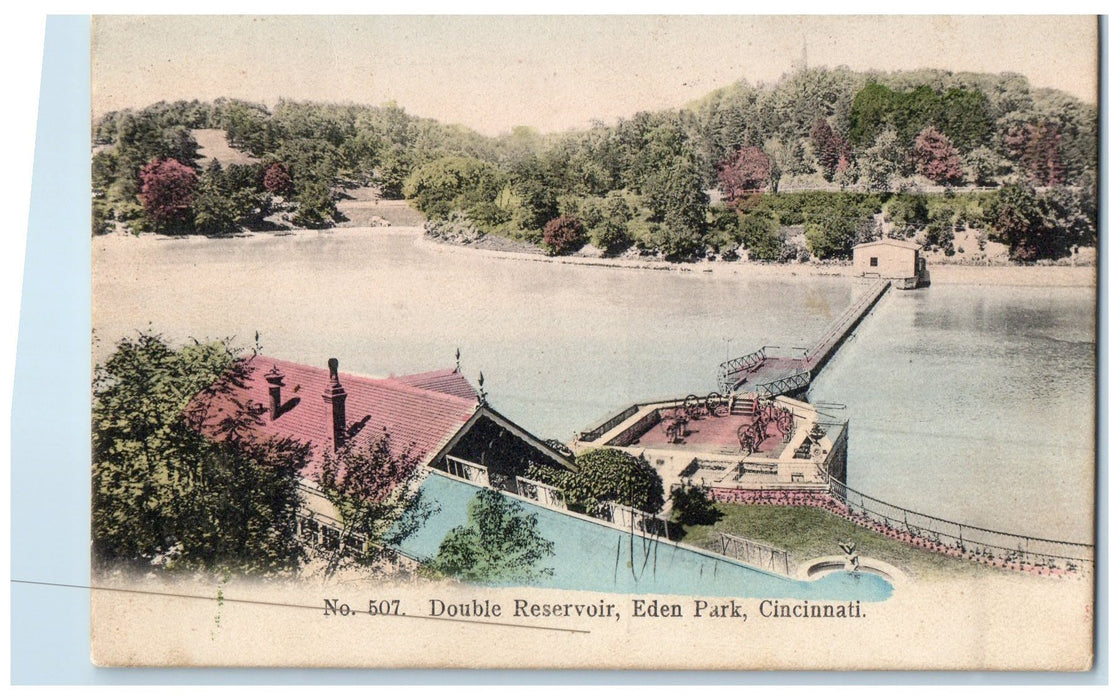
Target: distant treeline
[(835, 155)]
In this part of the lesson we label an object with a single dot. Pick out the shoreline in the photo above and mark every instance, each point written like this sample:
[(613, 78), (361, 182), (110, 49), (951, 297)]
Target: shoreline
[(941, 274), (949, 274)]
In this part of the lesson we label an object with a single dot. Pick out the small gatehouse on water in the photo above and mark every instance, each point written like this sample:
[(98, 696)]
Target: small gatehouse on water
[(892, 259)]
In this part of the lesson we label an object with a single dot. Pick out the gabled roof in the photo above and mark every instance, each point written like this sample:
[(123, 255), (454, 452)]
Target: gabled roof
[(908, 245), (420, 412)]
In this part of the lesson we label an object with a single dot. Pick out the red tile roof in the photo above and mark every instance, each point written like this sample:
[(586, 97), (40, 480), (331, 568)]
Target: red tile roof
[(446, 381), (420, 412)]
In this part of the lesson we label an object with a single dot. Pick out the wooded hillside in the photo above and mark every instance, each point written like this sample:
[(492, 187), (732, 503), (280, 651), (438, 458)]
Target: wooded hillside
[(803, 168)]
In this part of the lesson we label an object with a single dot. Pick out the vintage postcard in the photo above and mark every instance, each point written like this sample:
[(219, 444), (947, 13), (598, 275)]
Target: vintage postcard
[(615, 342)]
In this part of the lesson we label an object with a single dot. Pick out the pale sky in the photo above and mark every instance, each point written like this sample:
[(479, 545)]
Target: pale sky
[(552, 73)]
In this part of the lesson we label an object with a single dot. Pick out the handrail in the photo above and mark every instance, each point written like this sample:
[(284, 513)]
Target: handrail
[(553, 496), (783, 385), (934, 528), (470, 471), (742, 364), (844, 321), (751, 552)]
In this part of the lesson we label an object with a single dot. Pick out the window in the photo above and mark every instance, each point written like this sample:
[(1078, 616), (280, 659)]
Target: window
[(874, 262)]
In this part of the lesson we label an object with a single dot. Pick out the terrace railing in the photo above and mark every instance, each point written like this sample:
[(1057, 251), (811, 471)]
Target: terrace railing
[(469, 471), (609, 424), (982, 543), (545, 495), (750, 552), (630, 518)]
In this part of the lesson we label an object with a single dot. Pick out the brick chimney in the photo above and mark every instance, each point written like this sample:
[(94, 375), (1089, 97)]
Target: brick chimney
[(334, 399), (275, 379)]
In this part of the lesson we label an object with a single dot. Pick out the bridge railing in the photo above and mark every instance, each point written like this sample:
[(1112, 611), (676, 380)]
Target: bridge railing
[(981, 543), (737, 365), (840, 325), (784, 385)]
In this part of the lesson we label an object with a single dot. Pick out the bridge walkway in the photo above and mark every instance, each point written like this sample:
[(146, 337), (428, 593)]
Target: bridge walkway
[(774, 371)]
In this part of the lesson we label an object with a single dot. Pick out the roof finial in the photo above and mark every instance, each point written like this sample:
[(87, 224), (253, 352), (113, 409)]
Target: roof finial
[(481, 389), (458, 361)]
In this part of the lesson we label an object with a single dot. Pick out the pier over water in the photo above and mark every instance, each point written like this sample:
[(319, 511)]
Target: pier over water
[(775, 371)]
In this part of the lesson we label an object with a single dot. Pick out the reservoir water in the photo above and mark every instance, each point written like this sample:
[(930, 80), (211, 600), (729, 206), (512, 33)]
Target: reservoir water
[(971, 403), (593, 557)]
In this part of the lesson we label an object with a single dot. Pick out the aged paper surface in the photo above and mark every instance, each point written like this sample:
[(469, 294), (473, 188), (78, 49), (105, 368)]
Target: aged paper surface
[(806, 379)]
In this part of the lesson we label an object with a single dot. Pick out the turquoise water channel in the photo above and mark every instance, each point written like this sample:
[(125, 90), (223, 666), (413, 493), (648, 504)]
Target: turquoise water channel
[(593, 557)]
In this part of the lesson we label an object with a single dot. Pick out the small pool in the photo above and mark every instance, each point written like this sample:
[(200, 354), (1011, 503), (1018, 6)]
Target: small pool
[(593, 557)]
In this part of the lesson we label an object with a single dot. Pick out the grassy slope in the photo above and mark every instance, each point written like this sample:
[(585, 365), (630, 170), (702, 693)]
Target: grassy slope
[(212, 144), (808, 533)]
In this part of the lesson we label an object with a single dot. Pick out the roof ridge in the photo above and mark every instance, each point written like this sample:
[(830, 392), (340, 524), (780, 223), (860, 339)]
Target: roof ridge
[(423, 391), (393, 383)]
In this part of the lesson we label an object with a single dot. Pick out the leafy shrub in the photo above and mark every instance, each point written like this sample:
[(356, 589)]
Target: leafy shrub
[(691, 505), (607, 474), (563, 235)]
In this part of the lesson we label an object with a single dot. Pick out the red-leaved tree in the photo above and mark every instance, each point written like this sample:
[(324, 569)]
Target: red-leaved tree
[(564, 234), (167, 190), (936, 158), (277, 179), (1037, 147), (832, 149), (747, 171)]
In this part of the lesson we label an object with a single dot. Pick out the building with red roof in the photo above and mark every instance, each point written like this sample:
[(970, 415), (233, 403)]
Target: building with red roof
[(436, 417)]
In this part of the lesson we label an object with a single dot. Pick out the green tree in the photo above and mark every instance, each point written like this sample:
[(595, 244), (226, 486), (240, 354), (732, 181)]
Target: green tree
[(761, 234), (871, 111), (213, 210), (693, 505), (500, 543), (1041, 226), (882, 162), (907, 212), (607, 474), (375, 489), (317, 205), (982, 165), (610, 233), (1016, 217), (179, 480), (453, 183), (676, 197), (940, 231)]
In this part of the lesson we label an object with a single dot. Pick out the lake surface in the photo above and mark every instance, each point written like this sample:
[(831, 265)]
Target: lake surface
[(972, 403)]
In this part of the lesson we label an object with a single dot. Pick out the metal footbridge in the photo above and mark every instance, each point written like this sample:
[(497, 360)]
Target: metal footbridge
[(775, 371)]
